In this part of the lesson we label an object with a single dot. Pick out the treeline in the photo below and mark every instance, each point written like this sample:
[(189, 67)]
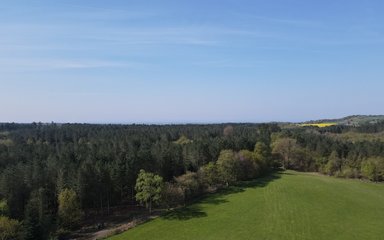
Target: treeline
[(98, 165), (229, 168), (312, 149)]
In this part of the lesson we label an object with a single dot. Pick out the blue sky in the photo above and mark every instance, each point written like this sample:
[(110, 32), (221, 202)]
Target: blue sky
[(181, 61)]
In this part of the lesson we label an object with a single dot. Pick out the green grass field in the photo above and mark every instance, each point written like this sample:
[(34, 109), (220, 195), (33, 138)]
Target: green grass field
[(289, 205)]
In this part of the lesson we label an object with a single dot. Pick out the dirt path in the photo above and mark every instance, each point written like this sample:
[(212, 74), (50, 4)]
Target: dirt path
[(112, 226), (120, 228)]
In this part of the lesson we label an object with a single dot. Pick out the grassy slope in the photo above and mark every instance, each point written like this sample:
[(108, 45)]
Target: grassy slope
[(289, 206)]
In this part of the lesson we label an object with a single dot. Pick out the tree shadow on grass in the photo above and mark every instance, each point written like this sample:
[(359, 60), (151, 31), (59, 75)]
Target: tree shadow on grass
[(185, 213), (195, 209), (260, 182), (213, 200), (286, 173)]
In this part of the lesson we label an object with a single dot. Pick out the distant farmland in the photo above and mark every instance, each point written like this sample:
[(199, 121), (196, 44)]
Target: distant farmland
[(289, 205), (320, 125)]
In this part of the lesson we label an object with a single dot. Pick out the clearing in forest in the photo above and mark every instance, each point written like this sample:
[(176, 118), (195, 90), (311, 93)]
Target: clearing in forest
[(287, 205)]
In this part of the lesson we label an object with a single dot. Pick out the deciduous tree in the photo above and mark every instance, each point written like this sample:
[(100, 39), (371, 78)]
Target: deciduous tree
[(227, 166), (69, 213), (148, 187), (285, 148)]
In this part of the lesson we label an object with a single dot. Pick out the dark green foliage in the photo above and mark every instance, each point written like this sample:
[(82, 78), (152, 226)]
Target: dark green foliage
[(101, 162), (14, 189), (172, 195), (32, 224)]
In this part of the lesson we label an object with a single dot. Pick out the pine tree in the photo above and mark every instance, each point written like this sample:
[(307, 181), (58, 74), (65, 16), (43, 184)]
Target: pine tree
[(32, 226)]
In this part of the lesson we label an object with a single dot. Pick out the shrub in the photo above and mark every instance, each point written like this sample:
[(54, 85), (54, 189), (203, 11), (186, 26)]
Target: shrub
[(9, 228), (373, 169), (172, 195)]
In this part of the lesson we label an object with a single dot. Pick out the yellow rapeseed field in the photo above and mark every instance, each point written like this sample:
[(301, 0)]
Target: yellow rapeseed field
[(320, 125)]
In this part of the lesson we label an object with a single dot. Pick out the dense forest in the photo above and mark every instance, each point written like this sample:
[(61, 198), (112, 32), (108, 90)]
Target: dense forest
[(53, 175)]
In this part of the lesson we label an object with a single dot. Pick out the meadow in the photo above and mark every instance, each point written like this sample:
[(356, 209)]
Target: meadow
[(287, 205)]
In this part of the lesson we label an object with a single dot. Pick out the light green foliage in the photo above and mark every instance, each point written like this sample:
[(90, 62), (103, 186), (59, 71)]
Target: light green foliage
[(262, 151), (287, 206), (149, 188), (349, 172), (373, 169), (183, 140), (6, 142), (9, 228), (69, 212), (227, 166), (333, 166), (209, 174), (4, 209), (368, 170), (329, 168), (246, 154)]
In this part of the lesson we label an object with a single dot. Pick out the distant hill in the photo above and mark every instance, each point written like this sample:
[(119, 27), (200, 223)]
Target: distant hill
[(354, 120), (361, 119)]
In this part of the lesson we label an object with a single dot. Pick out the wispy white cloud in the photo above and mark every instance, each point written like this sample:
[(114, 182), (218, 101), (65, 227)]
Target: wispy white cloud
[(41, 45), (291, 22), (87, 11), (81, 12), (230, 63), (33, 35), (19, 64), (105, 15), (279, 21), (59, 36)]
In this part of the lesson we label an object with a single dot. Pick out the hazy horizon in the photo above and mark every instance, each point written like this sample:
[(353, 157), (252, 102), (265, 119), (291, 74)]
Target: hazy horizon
[(190, 62), (186, 122)]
